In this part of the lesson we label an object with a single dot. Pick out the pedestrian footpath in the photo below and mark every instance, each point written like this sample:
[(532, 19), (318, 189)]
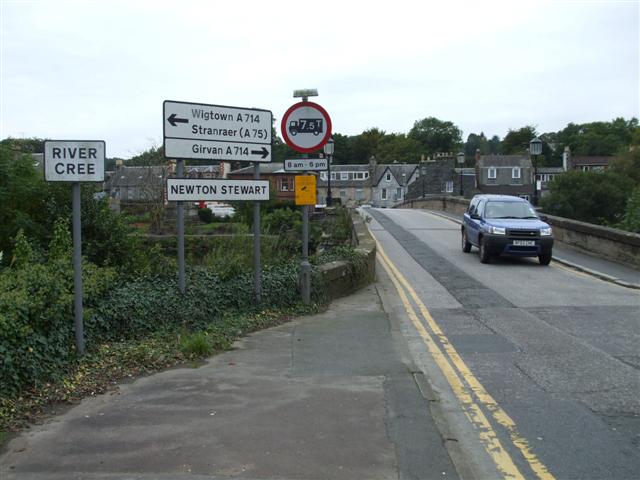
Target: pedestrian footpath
[(328, 396)]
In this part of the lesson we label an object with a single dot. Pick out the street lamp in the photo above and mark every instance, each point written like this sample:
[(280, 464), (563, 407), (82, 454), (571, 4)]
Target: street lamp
[(461, 163), (423, 173), (535, 149), (329, 148)]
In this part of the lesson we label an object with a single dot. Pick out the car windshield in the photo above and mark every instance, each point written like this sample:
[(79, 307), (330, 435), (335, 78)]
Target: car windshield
[(509, 210)]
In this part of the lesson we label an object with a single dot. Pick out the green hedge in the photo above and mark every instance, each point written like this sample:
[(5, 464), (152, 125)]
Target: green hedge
[(36, 311)]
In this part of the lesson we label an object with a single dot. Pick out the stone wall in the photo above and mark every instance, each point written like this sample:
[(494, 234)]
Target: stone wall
[(339, 277), (609, 243)]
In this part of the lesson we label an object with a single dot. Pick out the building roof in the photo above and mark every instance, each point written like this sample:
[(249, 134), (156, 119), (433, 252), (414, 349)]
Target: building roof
[(550, 170), (521, 161), (264, 168), (595, 160), (136, 176), (397, 170)]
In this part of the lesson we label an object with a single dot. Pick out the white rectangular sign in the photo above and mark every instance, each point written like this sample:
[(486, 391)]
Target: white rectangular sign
[(74, 160), (208, 150), (195, 190), (306, 164), (212, 125)]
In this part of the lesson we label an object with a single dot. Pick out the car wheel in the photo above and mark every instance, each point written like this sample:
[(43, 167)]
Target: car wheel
[(466, 246), (545, 259), (484, 253)]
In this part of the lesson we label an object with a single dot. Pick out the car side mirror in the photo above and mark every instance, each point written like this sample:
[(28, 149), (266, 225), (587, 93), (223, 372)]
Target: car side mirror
[(544, 218), (475, 216)]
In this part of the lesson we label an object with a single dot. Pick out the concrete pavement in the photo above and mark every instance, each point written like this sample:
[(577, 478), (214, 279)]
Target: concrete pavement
[(331, 396)]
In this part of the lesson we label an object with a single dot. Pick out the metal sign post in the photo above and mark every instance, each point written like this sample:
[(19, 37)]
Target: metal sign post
[(77, 268), (180, 220), (257, 277), (75, 161), (305, 195)]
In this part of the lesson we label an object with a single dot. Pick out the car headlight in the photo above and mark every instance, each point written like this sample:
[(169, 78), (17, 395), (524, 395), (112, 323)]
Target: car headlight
[(545, 232), (496, 230)]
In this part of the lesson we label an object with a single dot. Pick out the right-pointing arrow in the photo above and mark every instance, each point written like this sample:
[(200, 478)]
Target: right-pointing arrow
[(264, 153)]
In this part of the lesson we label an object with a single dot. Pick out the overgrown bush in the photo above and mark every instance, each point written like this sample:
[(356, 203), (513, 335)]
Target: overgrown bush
[(205, 215), (36, 312)]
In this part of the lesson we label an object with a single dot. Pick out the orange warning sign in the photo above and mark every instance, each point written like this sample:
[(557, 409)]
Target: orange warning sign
[(305, 190)]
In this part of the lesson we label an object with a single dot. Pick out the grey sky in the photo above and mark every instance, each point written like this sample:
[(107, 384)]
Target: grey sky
[(101, 69)]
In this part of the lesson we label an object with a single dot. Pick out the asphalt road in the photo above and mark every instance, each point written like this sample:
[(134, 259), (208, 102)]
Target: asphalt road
[(542, 362)]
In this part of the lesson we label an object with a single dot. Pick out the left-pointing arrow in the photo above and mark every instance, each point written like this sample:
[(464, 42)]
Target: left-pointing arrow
[(173, 119), (264, 153)]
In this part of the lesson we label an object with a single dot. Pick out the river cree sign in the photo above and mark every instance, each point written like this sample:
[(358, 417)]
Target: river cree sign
[(194, 190), (74, 160), (215, 132)]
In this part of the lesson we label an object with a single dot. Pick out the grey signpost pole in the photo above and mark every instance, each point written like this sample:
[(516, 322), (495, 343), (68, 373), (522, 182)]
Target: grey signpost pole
[(180, 220), (77, 268), (305, 266), (257, 280)]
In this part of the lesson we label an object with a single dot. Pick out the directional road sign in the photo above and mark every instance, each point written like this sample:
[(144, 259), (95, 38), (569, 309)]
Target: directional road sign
[(74, 160), (306, 164), (305, 192), (215, 132), (194, 190), (306, 127)]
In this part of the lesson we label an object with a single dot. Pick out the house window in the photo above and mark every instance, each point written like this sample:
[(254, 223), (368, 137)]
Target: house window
[(359, 175), (366, 175), (399, 193), (492, 173), (344, 175), (387, 177), (286, 184), (343, 193), (448, 187), (383, 195), (515, 173), (359, 195), (333, 176), (323, 176)]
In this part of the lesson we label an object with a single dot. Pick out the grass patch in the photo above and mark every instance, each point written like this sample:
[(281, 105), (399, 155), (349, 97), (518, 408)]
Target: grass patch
[(196, 345)]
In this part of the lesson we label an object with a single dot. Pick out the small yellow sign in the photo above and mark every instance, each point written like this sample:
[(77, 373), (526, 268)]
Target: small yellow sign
[(305, 189)]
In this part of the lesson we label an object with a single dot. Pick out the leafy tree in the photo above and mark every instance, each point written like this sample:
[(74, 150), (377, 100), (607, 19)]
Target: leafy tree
[(591, 197), (494, 145), (631, 219), (397, 147), (476, 142), (435, 135), (343, 152), (365, 145), (627, 164), (517, 141), (24, 145), (598, 138)]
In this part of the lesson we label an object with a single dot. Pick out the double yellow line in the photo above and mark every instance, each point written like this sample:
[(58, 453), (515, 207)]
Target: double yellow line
[(470, 393)]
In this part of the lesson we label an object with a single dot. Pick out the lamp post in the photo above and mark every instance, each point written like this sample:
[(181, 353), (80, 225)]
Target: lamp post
[(329, 148), (423, 173), (461, 164), (535, 149)]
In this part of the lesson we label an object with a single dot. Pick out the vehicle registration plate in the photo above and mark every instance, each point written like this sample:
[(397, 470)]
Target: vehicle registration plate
[(524, 243)]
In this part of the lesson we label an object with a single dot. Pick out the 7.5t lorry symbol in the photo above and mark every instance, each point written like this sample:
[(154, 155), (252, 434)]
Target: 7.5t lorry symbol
[(306, 125)]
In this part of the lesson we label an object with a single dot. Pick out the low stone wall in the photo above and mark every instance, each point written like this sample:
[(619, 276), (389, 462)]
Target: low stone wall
[(339, 277), (605, 242), (456, 205)]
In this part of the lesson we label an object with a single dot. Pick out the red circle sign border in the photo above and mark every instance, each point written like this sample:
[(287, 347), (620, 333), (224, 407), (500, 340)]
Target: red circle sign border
[(287, 139)]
